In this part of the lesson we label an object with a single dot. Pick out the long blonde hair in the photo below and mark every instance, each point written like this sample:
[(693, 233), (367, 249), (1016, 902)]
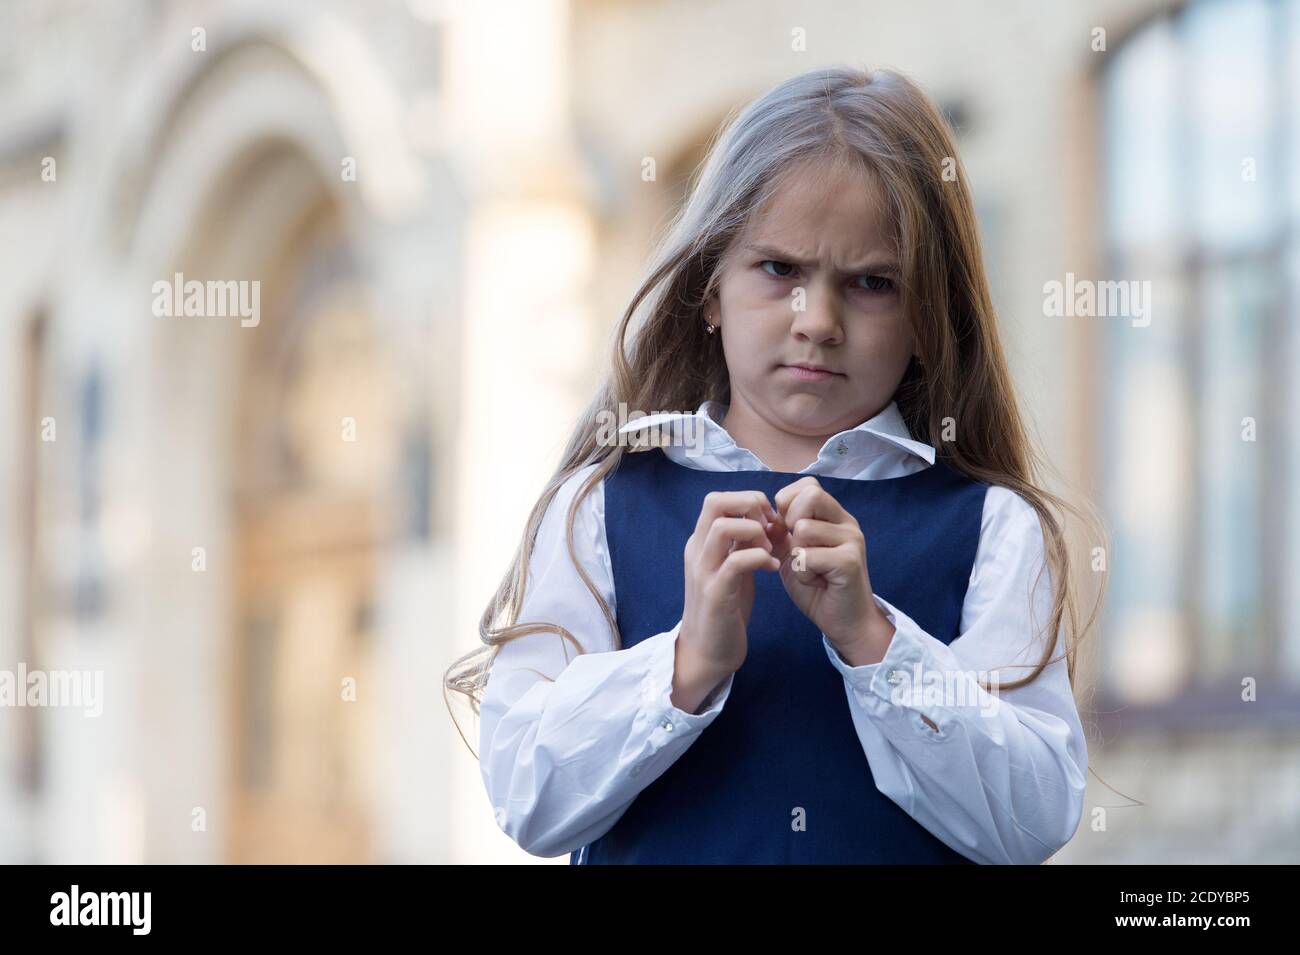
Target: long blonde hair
[(883, 120)]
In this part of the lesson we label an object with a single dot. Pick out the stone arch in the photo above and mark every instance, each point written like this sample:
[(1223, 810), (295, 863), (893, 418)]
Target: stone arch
[(243, 186)]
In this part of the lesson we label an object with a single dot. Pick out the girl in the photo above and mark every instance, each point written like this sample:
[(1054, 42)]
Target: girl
[(784, 631)]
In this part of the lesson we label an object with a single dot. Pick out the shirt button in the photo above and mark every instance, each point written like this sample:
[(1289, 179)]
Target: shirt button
[(895, 677), (668, 725), (842, 448)]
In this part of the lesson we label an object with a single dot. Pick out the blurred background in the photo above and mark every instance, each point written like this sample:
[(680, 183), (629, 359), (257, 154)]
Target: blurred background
[(272, 536)]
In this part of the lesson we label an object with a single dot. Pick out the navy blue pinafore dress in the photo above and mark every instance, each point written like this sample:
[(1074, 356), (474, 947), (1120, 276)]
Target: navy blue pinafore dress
[(784, 746)]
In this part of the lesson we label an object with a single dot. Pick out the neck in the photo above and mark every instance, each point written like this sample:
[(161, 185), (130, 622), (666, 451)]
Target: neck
[(779, 450)]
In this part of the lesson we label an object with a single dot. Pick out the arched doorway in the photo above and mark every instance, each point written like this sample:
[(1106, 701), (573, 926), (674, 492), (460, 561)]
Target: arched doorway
[(252, 746), (315, 441)]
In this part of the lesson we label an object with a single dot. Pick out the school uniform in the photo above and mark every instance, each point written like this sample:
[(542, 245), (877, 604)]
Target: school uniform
[(797, 757)]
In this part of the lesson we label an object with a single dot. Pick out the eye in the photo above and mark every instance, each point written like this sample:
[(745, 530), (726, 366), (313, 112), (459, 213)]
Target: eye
[(779, 275), (876, 283)]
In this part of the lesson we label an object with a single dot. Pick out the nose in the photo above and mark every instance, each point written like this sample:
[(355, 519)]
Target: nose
[(819, 321)]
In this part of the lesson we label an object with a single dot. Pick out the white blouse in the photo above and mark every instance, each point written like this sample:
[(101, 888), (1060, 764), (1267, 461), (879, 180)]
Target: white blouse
[(1001, 781)]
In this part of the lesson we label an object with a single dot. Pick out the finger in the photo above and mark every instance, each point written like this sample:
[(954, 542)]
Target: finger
[(814, 502), (741, 562), (728, 534), (824, 563), (779, 535), (811, 532), (784, 496), (752, 504)]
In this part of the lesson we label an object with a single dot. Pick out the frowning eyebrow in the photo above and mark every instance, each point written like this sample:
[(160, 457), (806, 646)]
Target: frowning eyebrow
[(876, 267)]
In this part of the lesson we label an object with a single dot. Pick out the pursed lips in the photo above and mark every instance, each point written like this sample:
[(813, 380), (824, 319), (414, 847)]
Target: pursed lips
[(805, 372)]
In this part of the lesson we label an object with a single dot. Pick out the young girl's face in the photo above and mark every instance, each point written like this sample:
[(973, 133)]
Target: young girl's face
[(824, 231)]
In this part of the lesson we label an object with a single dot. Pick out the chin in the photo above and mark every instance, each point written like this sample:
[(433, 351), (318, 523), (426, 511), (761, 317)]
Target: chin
[(806, 413)]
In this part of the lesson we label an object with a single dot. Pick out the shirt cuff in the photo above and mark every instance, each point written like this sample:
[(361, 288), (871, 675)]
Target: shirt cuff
[(893, 686), (657, 688)]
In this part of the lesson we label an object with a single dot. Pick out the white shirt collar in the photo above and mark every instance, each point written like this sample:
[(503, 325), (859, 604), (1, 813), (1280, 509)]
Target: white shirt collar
[(885, 430)]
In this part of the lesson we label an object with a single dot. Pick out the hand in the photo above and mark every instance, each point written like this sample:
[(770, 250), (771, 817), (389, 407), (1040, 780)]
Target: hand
[(731, 540), (824, 569)]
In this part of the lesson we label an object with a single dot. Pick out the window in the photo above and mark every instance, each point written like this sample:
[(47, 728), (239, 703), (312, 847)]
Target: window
[(1200, 408)]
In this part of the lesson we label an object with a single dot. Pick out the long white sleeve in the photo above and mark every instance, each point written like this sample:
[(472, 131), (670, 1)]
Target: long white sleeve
[(563, 755), (1003, 778)]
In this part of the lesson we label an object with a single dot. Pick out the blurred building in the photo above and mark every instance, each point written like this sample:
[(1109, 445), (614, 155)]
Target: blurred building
[(272, 528)]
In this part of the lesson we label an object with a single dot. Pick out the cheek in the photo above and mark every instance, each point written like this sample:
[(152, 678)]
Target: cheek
[(881, 336), (886, 316), (749, 345), (758, 316), (750, 292)]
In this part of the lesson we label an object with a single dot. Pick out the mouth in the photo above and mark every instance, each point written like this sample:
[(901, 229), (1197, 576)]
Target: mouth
[(805, 372)]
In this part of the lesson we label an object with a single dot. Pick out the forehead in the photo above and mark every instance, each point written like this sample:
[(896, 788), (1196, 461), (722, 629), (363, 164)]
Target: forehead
[(829, 205)]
